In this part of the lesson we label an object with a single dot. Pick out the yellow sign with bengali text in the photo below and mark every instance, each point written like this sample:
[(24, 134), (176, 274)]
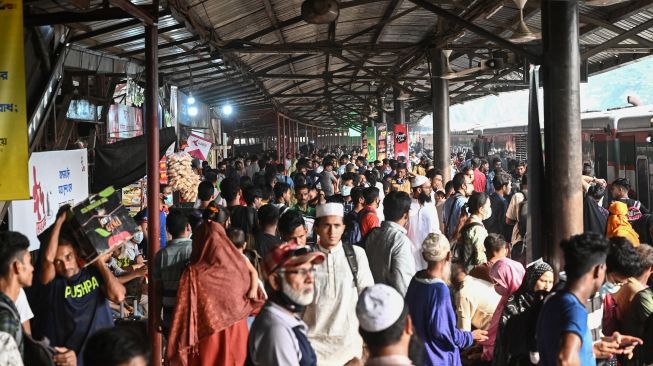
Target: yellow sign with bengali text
[(14, 155)]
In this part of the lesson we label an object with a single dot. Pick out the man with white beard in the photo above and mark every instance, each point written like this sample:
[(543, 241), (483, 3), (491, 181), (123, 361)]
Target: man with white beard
[(344, 274), (278, 335)]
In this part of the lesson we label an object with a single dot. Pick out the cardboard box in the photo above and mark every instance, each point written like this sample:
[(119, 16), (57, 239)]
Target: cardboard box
[(101, 223)]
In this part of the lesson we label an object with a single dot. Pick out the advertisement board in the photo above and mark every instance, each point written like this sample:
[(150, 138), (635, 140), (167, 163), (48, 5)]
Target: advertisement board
[(401, 141), (198, 147), (13, 107), (56, 178), (371, 143), (124, 122)]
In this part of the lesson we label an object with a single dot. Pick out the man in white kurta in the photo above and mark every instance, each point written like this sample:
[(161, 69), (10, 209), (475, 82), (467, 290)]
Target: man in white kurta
[(331, 318), (422, 219)]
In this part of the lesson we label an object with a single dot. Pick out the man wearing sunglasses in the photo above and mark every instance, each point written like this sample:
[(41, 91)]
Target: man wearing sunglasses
[(278, 335)]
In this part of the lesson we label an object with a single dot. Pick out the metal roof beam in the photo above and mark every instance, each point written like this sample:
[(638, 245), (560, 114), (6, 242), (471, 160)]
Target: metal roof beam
[(380, 24), (135, 10), (375, 76), (613, 28), (65, 17), (283, 63), (109, 29), (293, 85), (161, 46), (185, 64), (238, 46), (121, 41), (616, 40), (442, 13), (189, 70), (219, 90), (224, 78), (175, 56)]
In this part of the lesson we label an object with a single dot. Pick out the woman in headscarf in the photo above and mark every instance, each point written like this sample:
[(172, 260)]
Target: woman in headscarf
[(210, 321), (507, 275), (515, 339), (618, 224)]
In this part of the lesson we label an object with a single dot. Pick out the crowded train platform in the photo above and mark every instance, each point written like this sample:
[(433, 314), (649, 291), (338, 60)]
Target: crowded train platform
[(326, 183)]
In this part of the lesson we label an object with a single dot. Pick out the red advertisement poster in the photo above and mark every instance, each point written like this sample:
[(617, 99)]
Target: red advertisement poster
[(401, 141)]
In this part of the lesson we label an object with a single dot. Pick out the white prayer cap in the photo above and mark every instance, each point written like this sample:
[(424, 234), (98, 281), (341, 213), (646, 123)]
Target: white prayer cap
[(435, 247), (330, 209), (379, 306), (419, 181)]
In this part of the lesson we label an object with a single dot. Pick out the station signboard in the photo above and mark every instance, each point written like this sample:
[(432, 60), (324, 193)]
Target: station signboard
[(56, 178), (14, 153)]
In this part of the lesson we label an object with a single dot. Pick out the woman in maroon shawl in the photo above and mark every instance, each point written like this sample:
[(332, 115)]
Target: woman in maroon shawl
[(210, 321)]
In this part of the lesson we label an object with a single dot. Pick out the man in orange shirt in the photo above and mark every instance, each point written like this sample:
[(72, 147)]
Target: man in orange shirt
[(368, 218)]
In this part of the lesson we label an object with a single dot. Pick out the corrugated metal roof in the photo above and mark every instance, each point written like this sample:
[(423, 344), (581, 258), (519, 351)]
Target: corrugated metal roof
[(292, 48)]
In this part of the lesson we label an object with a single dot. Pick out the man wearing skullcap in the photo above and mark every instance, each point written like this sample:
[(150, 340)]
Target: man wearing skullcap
[(429, 302), (423, 217), (385, 326), (331, 318)]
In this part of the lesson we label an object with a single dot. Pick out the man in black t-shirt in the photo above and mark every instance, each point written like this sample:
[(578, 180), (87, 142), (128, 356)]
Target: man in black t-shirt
[(267, 238), (74, 299)]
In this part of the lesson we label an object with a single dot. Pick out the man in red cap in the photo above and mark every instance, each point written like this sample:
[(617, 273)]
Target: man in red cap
[(278, 335)]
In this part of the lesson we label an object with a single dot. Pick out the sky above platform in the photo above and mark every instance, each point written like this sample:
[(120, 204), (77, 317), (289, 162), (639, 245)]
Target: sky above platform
[(601, 92)]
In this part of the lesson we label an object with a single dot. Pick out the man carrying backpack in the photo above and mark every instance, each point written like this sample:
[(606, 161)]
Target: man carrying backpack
[(331, 318), (454, 203)]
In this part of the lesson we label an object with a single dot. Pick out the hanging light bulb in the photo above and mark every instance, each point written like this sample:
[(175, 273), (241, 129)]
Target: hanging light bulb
[(227, 109), (191, 98), (192, 111)]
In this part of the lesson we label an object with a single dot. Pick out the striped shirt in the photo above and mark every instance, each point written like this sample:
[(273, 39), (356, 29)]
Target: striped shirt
[(169, 264)]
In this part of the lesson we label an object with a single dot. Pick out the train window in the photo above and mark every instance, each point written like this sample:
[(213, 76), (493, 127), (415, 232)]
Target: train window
[(643, 180)]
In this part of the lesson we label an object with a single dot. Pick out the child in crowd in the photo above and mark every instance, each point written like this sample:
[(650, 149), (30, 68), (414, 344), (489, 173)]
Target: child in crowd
[(237, 237)]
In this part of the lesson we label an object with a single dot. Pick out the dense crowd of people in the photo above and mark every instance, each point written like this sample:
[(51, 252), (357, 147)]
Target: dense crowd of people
[(330, 259)]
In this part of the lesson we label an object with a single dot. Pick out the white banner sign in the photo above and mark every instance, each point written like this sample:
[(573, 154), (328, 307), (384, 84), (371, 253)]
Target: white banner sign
[(198, 147), (56, 178)]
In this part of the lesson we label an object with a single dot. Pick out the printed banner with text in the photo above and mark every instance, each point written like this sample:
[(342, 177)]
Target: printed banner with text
[(56, 178), (401, 141), (14, 184)]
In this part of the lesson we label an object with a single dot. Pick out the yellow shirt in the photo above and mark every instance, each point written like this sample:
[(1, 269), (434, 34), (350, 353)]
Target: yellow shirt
[(403, 187)]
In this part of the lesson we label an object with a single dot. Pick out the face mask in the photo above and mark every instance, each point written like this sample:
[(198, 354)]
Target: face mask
[(345, 190), (488, 213), (138, 237), (168, 200)]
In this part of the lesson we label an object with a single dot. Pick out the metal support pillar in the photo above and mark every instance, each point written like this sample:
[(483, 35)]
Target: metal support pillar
[(562, 127), (278, 135), (400, 113), (282, 156), (440, 102), (152, 123), (381, 118)]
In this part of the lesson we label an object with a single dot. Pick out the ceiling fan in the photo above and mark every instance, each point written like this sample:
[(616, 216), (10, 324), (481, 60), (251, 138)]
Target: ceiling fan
[(522, 33), (450, 74), (320, 11)]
